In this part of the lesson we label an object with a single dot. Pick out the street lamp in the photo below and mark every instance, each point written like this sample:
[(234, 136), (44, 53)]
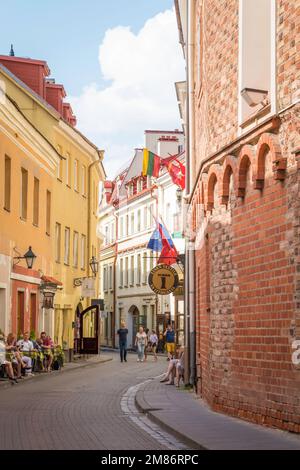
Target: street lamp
[(29, 258), (94, 264)]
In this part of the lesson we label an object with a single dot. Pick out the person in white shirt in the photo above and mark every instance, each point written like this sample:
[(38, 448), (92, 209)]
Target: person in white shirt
[(153, 343), (141, 343), (25, 345)]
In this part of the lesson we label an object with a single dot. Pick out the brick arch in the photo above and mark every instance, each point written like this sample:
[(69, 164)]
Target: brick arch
[(212, 180), (246, 159), (268, 142), (229, 168)]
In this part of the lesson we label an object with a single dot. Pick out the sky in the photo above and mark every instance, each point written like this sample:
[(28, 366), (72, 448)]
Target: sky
[(118, 61)]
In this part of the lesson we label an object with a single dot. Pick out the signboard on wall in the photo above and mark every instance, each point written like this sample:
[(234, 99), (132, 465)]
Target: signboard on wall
[(163, 279), (88, 287)]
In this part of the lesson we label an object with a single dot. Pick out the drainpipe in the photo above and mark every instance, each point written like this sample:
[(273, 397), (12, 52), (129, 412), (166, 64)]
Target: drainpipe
[(113, 323), (190, 357)]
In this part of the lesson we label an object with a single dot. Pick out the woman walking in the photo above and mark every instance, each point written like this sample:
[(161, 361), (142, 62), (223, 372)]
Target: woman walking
[(153, 343), (141, 343)]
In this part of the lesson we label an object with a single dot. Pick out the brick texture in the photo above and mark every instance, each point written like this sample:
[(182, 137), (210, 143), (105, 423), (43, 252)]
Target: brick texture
[(246, 218)]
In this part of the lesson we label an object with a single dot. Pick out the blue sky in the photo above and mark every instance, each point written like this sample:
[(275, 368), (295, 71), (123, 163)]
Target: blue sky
[(67, 33), (117, 59)]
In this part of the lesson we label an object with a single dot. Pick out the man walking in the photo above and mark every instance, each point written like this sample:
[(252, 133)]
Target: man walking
[(170, 341), (123, 332)]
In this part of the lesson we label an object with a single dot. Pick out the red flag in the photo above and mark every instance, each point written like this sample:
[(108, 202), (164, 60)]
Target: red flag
[(168, 253), (177, 172)]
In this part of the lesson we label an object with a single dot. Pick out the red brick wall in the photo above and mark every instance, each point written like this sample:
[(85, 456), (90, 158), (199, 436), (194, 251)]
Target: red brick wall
[(246, 208)]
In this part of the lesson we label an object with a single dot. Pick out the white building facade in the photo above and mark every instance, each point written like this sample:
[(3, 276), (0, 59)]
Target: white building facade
[(127, 223)]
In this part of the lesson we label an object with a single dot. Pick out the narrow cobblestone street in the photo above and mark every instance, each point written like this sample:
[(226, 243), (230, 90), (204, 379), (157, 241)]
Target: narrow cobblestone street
[(80, 409)]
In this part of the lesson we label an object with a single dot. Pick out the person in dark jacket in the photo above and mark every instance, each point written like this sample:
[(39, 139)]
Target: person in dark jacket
[(123, 332)]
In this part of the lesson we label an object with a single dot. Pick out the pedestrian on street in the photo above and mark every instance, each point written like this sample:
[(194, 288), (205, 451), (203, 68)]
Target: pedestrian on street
[(141, 343), (153, 343), (123, 332), (170, 341), (146, 347)]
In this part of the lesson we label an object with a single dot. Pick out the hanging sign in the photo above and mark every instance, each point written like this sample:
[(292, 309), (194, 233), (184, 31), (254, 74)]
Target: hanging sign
[(88, 287), (163, 279)]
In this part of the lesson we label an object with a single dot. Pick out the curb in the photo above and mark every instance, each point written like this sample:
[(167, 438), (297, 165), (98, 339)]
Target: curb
[(55, 373), (142, 407)]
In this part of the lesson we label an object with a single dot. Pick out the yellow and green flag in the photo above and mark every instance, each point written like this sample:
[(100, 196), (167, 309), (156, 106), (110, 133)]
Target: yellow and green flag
[(151, 164)]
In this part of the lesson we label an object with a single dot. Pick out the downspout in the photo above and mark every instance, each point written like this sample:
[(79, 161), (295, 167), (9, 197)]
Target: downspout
[(191, 271), (113, 326), (190, 377)]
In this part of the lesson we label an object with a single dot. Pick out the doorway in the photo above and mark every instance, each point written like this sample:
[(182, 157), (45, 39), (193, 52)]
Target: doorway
[(20, 312), (133, 324)]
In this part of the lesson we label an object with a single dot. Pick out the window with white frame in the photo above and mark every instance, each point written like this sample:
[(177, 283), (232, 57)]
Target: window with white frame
[(82, 251), (121, 273), (138, 270), (67, 246), (145, 225), (132, 223), (76, 175), (126, 273), (75, 249), (145, 267), (121, 227), (132, 270), (257, 43), (67, 167), (111, 277), (105, 278), (83, 180), (139, 220)]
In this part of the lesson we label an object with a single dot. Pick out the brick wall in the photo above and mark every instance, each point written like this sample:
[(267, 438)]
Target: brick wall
[(246, 210)]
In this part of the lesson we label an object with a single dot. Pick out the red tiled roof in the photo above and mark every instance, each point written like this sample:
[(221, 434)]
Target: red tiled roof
[(51, 280)]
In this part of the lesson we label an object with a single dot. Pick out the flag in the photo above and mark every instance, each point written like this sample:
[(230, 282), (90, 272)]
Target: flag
[(151, 163), (169, 254), (177, 172), (155, 242)]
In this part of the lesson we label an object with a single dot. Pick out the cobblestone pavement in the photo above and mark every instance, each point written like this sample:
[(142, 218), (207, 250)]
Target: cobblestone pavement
[(77, 410)]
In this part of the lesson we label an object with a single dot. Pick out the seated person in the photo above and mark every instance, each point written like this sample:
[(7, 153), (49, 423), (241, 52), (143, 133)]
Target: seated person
[(7, 364), (13, 355), (175, 368), (25, 346), (47, 346)]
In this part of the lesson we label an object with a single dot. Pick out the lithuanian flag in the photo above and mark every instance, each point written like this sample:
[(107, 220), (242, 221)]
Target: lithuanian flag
[(151, 164)]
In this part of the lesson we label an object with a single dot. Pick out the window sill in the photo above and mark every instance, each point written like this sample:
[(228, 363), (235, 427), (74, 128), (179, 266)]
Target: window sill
[(7, 210), (23, 220), (253, 118), (35, 225), (59, 179), (66, 264)]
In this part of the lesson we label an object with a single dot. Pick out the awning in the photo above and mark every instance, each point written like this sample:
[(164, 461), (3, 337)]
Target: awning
[(51, 280)]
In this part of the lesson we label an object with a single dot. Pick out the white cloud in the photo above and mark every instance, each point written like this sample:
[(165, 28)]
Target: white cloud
[(139, 71)]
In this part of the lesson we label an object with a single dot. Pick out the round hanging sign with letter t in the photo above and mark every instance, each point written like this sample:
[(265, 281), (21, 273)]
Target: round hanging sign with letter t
[(163, 279)]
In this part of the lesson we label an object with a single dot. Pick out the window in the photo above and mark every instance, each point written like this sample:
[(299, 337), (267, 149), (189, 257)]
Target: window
[(111, 277), (57, 242), (67, 246), (105, 278), (121, 273), (106, 238), (82, 251), (138, 277), (24, 191), (145, 271), (76, 175), (67, 165), (48, 212), (112, 232), (121, 227), (139, 220), (7, 183), (126, 271), (75, 249), (83, 180), (60, 169), (132, 270), (127, 225), (145, 217), (132, 223), (36, 201), (257, 44)]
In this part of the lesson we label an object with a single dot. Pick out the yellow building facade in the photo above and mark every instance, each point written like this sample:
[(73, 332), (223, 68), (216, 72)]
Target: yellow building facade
[(69, 169)]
